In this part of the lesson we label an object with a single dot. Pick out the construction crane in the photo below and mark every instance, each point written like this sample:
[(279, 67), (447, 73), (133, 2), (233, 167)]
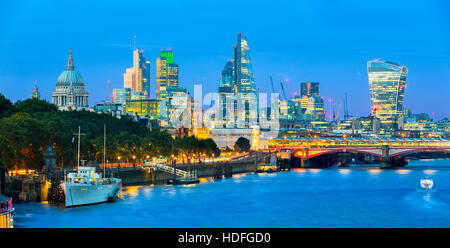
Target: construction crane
[(110, 91), (339, 108), (346, 108), (334, 111), (284, 93), (271, 82)]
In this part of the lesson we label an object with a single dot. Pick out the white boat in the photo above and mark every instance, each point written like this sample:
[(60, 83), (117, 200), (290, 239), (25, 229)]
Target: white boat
[(88, 187), (426, 183)]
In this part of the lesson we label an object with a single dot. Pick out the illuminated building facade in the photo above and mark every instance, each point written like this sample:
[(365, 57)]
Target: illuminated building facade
[(166, 74), (121, 96), (226, 88), (315, 108), (238, 105), (70, 93), (387, 83), (149, 108), (137, 78)]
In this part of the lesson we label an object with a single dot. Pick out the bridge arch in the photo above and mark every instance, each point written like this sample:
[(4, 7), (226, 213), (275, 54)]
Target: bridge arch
[(316, 153), (404, 153)]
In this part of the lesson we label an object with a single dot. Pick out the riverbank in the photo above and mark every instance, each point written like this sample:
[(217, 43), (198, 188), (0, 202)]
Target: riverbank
[(34, 188)]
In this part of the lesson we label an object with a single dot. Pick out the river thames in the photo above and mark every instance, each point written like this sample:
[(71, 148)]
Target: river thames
[(334, 197)]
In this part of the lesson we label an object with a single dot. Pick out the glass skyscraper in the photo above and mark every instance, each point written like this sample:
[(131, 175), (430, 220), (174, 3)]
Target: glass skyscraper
[(387, 83), (244, 82), (137, 78), (226, 88), (166, 74)]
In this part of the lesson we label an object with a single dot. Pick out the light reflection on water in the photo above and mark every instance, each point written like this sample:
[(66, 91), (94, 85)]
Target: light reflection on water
[(350, 197), (403, 171), (429, 172), (314, 170), (374, 171), (344, 171)]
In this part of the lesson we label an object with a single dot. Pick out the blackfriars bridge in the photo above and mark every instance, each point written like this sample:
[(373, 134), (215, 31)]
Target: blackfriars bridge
[(324, 152)]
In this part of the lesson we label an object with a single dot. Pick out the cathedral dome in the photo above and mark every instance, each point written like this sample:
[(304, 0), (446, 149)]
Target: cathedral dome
[(70, 75)]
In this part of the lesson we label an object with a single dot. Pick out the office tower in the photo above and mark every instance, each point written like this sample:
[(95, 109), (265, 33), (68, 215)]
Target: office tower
[(70, 93), (315, 108), (166, 74), (226, 88), (137, 78), (387, 83), (244, 82), (35, 94), (121, 96), (309, 89)]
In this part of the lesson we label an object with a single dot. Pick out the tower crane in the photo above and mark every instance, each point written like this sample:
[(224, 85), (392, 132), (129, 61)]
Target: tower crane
[(271, 82), (282, 88)]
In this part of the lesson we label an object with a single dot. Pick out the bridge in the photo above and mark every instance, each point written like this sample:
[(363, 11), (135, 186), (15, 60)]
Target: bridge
[(160, 165), (323, 152)]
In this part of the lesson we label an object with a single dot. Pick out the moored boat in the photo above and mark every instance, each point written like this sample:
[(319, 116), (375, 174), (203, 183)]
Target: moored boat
[(272, 166), (88, 187), (6, 212)]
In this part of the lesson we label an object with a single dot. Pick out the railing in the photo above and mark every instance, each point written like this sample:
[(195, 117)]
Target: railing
[(163, 167), (5, 206), (119, 165)]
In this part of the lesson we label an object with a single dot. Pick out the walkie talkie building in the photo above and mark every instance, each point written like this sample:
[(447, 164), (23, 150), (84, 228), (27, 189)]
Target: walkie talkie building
[(387, 83)]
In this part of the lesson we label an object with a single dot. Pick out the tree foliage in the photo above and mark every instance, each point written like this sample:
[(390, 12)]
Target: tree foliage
[(29, 127), (242, 145)]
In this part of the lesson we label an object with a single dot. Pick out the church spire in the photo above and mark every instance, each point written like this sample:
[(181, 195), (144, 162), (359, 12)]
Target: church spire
[(70, 66), (35, 94)]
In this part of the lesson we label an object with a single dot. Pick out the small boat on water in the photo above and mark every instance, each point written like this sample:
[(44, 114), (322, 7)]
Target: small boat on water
[(426, 183), (272, 166), (181, 181), (88, 187)]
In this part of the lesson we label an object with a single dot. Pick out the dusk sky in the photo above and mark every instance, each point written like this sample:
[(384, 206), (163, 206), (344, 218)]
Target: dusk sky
[(324, 41)]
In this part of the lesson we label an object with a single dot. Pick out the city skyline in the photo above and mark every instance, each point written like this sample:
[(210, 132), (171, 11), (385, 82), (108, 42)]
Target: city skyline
[(292, 56)]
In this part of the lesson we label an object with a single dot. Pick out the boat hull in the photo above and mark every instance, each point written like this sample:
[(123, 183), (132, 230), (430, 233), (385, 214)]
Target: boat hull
[(79, 194)]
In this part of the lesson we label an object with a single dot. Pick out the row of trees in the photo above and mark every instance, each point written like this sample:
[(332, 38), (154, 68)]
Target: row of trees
[(29, 127)]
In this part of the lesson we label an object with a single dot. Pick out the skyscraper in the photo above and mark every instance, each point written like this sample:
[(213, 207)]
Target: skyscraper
[(315, 108), (166, 74), (387, 83), (137, 78), (226, 88), (244, 82), (309, 89)]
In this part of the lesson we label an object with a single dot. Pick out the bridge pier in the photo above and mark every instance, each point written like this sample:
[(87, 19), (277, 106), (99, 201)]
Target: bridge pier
[(387, 162)]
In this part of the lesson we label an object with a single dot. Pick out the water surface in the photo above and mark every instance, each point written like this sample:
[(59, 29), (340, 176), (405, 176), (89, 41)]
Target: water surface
[(335, 197)]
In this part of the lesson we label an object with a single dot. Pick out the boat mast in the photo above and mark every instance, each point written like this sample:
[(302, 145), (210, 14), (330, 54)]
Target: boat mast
[(104, 149), (78, 160)]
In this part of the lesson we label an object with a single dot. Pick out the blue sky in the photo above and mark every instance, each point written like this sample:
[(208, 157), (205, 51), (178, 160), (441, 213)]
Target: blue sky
[(325, 41)]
